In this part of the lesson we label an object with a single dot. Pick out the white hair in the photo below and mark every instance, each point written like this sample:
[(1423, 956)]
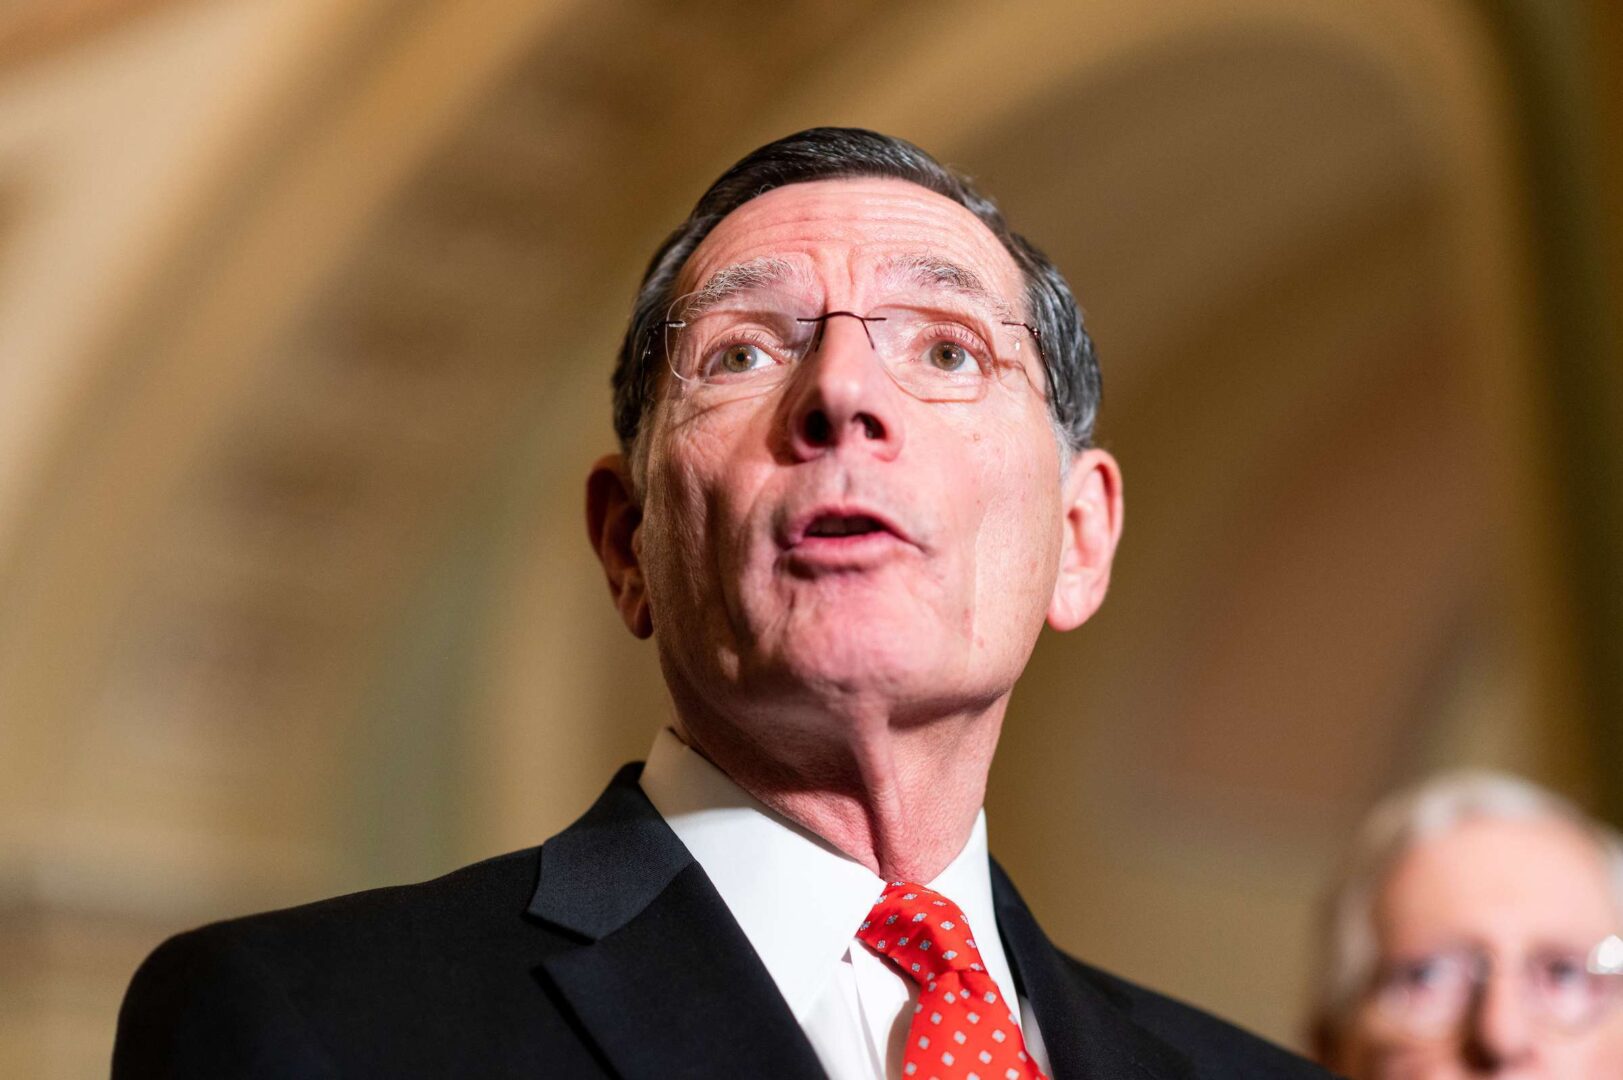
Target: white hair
[(1395, 826)]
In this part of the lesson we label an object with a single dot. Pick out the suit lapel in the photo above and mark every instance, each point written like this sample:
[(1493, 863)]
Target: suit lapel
[(663, 979), (1087, 1035)]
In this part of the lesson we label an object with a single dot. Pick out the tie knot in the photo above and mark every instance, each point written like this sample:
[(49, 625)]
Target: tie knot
[(921, 931)]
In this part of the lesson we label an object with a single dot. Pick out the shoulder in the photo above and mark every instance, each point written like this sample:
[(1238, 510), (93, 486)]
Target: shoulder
[(265, 994), (1217, 1048), (371, 925)]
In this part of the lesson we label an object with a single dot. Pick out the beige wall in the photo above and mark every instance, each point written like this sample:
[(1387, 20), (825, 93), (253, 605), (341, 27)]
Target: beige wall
[(306, 313)]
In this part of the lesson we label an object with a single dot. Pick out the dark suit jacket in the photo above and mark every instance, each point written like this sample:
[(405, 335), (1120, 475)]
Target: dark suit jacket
[(606, 952)]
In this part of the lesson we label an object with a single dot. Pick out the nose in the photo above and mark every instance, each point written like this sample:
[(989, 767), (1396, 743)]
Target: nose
[(1499, 1033), (842, 396)]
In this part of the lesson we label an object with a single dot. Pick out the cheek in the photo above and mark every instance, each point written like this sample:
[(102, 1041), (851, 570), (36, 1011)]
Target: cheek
[(677, 509), (1368, 1057), (1018, 544), (1600, 1054), (702, 489), (1016, 489)]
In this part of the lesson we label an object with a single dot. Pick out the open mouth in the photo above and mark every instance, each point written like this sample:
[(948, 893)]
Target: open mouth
[(841, 525), (835, 534)]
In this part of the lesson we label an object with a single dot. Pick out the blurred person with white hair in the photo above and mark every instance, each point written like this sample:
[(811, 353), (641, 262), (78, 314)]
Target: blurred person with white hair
[(1474, 932)]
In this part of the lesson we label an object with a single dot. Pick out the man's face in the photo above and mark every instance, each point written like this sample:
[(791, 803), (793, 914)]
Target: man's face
[(1520, 893), (759, 593)]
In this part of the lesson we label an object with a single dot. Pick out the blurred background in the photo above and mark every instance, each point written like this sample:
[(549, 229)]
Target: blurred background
[(307, 311)]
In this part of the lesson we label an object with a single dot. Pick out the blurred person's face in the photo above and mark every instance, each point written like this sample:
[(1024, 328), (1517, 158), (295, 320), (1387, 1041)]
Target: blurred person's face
[(1484, 934)]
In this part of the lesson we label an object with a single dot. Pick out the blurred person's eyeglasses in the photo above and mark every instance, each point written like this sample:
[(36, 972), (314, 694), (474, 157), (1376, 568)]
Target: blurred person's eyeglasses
[(933, 349), (1563, 989)]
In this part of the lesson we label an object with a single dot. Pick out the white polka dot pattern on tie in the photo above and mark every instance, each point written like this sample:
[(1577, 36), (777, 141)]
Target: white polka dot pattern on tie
[(939, 955)]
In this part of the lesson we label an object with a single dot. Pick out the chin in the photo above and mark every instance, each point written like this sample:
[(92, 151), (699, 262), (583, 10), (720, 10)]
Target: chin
[(844, 664), (906, 684)]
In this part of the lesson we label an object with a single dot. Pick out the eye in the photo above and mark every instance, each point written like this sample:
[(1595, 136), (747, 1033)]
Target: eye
[(952, 348), (1424, 976), (1425, 973), (1561, 970), (950, 356), (1419, 973), (739, 358)]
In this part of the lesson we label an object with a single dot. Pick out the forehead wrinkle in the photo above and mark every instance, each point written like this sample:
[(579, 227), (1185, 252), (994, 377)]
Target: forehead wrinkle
[(933, 272), (765, 272)]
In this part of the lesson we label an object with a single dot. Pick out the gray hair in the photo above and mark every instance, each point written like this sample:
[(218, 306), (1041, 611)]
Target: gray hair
[(1069, 361), (1392, 829)]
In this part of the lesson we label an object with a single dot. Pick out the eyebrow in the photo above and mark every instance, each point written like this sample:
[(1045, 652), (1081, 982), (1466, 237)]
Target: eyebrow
[(915, 271), (930, 272), (730, 281)]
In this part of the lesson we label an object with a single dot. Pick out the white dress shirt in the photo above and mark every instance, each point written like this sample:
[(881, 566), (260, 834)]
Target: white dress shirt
[(800, 901)]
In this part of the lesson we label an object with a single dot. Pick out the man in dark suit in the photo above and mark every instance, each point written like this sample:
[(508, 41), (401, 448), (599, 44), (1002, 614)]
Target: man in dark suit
[(856, 476)]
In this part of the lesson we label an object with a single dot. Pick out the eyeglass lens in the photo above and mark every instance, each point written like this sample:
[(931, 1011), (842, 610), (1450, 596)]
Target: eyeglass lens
[(935, 353), (1431, 995)]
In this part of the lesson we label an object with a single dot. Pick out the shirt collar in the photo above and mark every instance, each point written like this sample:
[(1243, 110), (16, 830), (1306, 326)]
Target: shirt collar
[(797, 898)]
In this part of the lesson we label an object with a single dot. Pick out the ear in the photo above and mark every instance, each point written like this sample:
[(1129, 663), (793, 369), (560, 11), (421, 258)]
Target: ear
[(613, 522), (1089, 532)]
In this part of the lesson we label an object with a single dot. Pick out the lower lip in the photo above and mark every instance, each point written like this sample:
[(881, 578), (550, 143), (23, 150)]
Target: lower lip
[(853, 551)]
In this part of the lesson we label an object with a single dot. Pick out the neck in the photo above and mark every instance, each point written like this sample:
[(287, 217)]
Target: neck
[(900, 798)]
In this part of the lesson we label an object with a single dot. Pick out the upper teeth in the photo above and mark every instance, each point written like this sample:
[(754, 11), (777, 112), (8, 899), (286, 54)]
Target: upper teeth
[(842, 526)]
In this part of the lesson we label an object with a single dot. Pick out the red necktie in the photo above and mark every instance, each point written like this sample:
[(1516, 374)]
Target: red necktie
[(962, 1028)]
